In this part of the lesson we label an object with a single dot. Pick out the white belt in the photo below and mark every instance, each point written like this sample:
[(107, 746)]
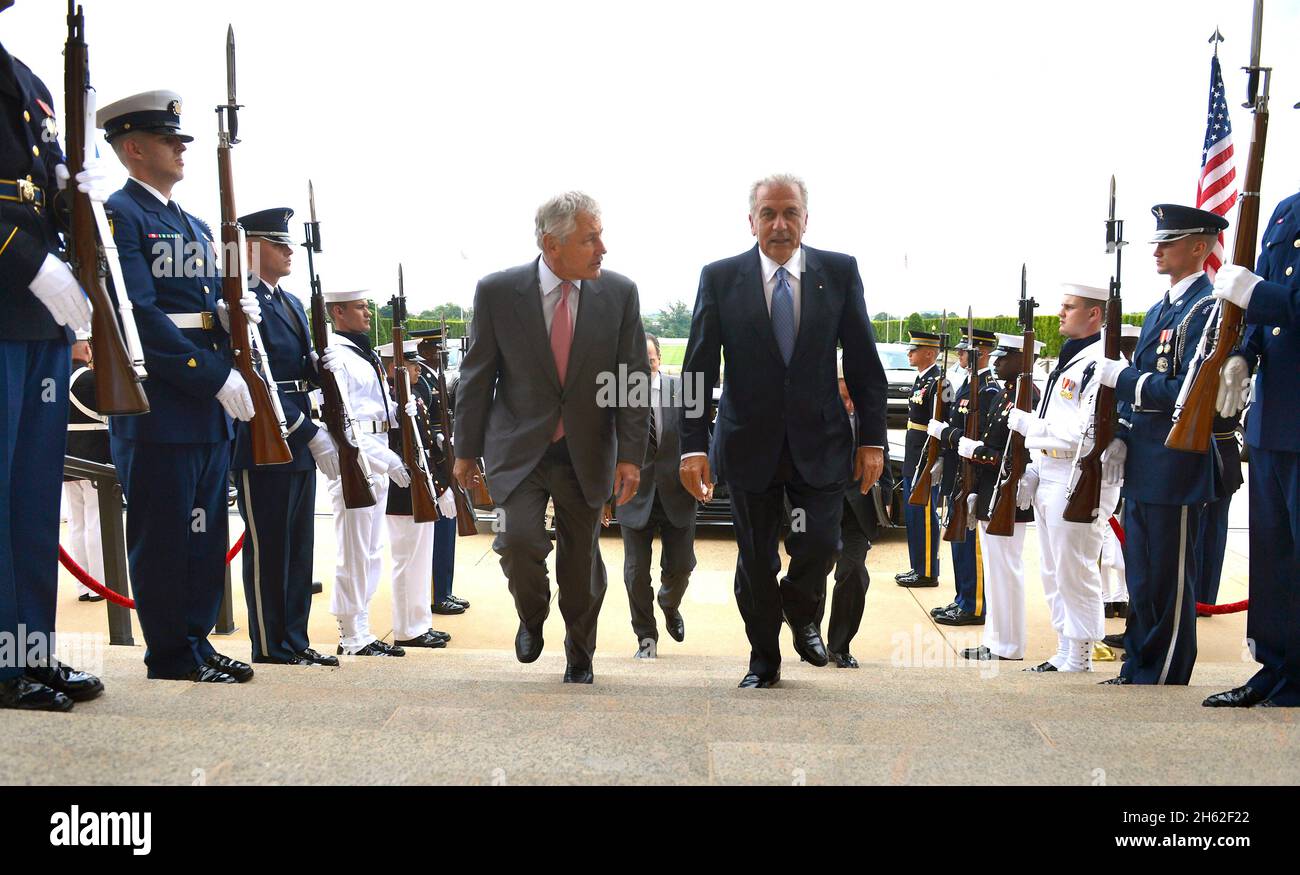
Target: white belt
[(1057, 454), (205, 321), (88, 426), (370, 426)]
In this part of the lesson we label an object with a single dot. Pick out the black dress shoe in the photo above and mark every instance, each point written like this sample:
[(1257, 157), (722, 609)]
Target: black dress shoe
[(844, 660), (292, 660), (917, 581), (528, 644), (240, 671), (1115, 642), (90, 597), (318, 658), (458, 600), (902, 574), (317, 587), (447, 607), (24, 695), (445, 636), (675, 624), (578, 675), (1118, 681), (1041, 667), (958, 617), (206, 674), (808, 644), (374, 648), (951, 606), (1244, 696), (983, 654), (425, 639), (752, 681), (76, 685)]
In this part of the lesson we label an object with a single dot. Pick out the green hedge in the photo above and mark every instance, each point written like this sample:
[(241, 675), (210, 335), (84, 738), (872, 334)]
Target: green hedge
[(455, 327), (1046, 328)]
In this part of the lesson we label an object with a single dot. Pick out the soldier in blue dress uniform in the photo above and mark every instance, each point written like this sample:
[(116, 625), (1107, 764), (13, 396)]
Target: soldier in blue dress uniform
[(174, 460), (41, 301), (278, 502), (1271, 299), (1165, 491), (922, 522)]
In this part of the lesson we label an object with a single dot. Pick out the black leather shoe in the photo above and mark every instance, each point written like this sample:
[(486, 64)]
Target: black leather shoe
[(445, 636), (447, 607), (1041, 667), (918, 581), (983, 654), (958, 617), (317, 587), (675, 625), (24, 695), (240, 671), (1244, 696), (374, 648), (464, 603), (426, 639), (911, 572), (206, 674), (1117, 681), (752, 681), (292, 660), (90, 597), (951, 606), (578, 675), (318, 658), (808, 644), (1115, 642), (528, 644), (844, 660), (76, 685)]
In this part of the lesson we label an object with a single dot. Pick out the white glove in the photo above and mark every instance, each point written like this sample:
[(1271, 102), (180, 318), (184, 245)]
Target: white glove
[(936, 470), (1028, 486), (332, 359), (1018, 420), (1108, 371), (1235, 285), (1112, 461), (57, 288), (447, 504), (91, 181), (966, 447), (235, 397), (326, 455), (970, 509), (935, 428), (390, 463), (248, 303), (1234, 387), (411, 408)]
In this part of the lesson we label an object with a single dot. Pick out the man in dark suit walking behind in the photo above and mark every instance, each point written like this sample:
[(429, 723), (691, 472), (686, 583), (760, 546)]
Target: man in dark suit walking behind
[(779, 312)]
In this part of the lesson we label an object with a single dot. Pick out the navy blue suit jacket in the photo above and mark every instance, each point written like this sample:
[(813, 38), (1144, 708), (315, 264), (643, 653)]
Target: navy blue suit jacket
[(1154, 473), (765, 403), (288, 341), (1274, 334)]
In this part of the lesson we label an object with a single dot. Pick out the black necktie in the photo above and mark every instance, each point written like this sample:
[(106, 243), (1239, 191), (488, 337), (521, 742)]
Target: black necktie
[(652, 448)]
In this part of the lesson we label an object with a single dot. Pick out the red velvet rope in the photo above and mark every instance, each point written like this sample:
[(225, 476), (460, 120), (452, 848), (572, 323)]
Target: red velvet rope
[(98, 588), (1201, 607)]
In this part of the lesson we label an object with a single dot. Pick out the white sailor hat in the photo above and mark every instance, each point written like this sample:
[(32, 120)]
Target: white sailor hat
[(1092, 293), (336, 297), (1127, 330), (156, 111), (386, 351), (1014, 343)]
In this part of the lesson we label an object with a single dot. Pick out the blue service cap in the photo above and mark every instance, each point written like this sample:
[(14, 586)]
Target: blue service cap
[(1174, 222), (272, 224)]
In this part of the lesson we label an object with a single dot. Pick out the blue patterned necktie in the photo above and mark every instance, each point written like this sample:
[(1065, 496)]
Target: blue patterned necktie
[(783, 314)]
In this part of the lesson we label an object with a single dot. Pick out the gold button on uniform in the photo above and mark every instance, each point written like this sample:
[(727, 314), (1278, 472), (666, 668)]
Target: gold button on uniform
[(27, 116), (1277, 331), (1290, 270), (36, 150), (192, 363), (1296, 244)]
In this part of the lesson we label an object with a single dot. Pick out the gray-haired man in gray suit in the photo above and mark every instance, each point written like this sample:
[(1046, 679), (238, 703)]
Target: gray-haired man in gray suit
[(543, 398)]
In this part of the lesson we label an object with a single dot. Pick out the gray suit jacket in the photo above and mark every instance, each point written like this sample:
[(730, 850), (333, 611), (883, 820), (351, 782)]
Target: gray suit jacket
[(659, 475), (509, 398)]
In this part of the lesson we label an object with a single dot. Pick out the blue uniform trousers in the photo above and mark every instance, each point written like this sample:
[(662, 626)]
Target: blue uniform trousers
[(444, 558), (1214, 542), (968, 569), (176, 535), (922, 531), (278, 508), (33, 437), (1273, 622), (1162, 559)]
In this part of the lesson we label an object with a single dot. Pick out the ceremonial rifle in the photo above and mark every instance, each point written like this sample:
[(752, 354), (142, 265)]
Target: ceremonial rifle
[(92, 254), (958, 503), (1015, 457), (354, 466), (465, 524), (1195, 409), (424, 508), (267, 427), (1083, 497), (930, 452)]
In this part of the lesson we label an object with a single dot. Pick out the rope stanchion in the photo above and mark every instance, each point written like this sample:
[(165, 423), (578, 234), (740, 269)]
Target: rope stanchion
[(83, 576), (1201, 607)]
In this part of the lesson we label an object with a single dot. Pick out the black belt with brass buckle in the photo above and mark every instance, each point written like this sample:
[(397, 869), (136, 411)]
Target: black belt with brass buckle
[(22, 191), (293, 386)]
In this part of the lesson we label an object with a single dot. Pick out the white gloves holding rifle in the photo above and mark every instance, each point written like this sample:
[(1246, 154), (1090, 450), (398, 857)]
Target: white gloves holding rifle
[(248, 303), (235, 397), (966, 447), (91, 181), (326, 455), (1112, 461), (1028, 486), (935, 428), (388, 462), (1235, 284), (1108, 371), (57, 288), (1234, 387)]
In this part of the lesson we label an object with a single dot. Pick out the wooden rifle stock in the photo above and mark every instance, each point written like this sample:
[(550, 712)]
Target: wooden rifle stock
[(424, 507), (1015, 457), (1084, 498), (1193, 427), (117, 383), (352, 476), (922, 485)]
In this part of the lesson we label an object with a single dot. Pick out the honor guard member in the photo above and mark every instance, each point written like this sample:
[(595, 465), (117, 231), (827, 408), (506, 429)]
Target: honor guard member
[(967, 555), (432, 348), (1004, 572), (1165, 491), (278, 502), (922, 522), (1271, 299), (174, 460), (1114, 588), (1055, 435), (411, 542), (87, 439), (42, 304), (358, 531)]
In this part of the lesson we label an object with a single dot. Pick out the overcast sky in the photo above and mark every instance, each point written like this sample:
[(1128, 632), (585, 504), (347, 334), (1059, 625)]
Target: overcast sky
[(956, 138)]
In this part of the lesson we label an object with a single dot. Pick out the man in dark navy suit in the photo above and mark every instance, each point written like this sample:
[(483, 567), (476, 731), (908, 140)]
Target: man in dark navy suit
[(278, 502), (1271, 299), (173, 461), (1165, 490), (778, 312), (41, 302)]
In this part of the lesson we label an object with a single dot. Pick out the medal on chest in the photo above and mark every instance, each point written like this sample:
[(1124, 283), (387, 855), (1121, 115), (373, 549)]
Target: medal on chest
[(1067, 389)]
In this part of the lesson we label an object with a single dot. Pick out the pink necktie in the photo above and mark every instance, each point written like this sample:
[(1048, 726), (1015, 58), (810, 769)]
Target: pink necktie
[(561, 342)]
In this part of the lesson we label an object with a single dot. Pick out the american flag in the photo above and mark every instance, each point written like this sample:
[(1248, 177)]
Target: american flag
[(1217, 189)]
